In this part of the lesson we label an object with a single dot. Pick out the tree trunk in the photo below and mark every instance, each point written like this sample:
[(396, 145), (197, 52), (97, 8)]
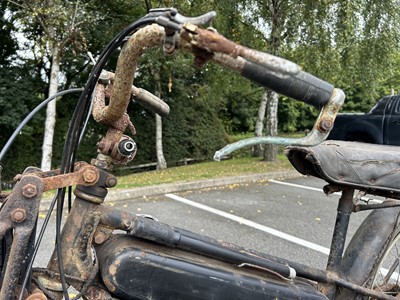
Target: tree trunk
[(271, 124), (51, 110), (161, 163), (257, 149)]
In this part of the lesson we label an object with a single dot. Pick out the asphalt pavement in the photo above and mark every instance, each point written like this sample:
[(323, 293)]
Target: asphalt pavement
[(132, 193), (281, 213)]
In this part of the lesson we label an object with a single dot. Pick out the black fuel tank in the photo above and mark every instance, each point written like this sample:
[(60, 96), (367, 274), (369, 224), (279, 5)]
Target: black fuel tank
[(136, 269)]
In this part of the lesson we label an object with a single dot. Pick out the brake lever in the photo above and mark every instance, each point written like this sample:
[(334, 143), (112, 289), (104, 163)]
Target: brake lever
[(170, 18), (201, 20)]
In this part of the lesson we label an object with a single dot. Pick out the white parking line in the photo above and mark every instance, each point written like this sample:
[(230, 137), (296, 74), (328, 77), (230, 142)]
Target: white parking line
[(252, 224), (367, 199), (299, 186)]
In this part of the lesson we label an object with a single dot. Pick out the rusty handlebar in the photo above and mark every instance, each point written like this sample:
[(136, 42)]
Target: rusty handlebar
[(278, 74)]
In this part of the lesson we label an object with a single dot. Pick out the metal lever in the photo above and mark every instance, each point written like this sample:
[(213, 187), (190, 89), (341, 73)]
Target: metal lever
[(199, 20), (318, 134), (173, 15)]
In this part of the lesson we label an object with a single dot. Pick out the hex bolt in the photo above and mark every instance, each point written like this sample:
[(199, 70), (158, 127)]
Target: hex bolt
[(29, 190), (104, 77), (89, 176), (18, 215), (99, 237), (111, 182)]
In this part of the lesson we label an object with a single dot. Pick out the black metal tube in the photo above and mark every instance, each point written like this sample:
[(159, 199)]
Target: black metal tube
[(344, 210), (189, 241), (181, 239), (115, 218), (386, 204)]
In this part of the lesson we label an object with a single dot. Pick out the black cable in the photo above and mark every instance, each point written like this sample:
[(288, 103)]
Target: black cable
[(10, 141), (71, 145), (77, 125), (4, 151)]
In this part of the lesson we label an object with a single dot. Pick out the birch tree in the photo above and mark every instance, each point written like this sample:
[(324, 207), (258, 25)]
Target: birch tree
[(349, 43), (54, 25), (278, 19), (161, 163)]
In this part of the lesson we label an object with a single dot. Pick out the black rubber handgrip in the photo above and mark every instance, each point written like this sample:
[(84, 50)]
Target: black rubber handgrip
[(302, 86), (152, 102)]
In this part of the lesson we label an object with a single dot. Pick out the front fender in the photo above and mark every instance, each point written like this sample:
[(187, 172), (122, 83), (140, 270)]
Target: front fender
[(368, 245)]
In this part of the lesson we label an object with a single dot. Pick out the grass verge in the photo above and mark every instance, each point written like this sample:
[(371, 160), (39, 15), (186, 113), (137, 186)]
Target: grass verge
[(204, 170)]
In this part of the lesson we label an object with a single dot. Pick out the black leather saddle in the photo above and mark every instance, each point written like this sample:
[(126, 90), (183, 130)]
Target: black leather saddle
[(367, 167)]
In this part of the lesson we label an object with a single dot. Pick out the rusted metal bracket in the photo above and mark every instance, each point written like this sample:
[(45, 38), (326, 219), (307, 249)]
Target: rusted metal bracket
[(20, 211), (19, 214), (143, 39), (109, 143), (118, 88), (84, 174), (80, 230)]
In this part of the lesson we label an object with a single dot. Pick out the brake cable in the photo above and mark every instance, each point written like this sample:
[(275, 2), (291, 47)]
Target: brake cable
[(11, 139), (74, 132), (71, 145)]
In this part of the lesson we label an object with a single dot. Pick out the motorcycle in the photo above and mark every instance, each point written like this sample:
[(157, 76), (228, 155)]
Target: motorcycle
[(153, 260)]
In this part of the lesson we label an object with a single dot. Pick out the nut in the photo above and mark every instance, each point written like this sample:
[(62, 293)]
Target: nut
[(29, 190), (89, 176), (99, 237), (18, 215)]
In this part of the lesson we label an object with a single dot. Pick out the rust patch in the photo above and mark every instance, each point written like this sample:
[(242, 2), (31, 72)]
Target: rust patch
[(84, 172), (114, 267)]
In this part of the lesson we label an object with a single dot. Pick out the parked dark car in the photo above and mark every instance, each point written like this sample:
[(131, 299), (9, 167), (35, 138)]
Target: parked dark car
[(380, 126)]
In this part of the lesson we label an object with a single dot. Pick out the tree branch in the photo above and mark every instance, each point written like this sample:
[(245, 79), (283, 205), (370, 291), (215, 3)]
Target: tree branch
[(255, 29), (16, 3), (44, 27)]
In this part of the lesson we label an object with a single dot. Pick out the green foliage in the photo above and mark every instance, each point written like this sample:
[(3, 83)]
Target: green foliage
[(353, 44), (8, 44), (18, 96), (205, 170), (297, 116), (192, 129)]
